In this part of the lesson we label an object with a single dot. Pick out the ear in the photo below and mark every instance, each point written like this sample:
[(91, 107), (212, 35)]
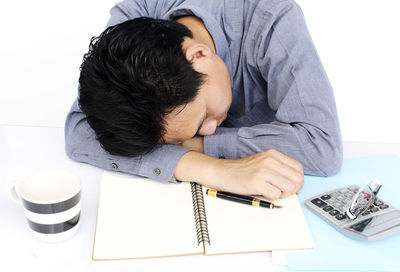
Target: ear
[(195, 52)]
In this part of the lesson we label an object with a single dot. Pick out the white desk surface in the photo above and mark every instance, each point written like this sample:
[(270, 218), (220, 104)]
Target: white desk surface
[(25, 150)]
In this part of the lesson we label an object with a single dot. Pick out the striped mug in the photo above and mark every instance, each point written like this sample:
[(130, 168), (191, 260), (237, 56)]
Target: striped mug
[(51, 202)]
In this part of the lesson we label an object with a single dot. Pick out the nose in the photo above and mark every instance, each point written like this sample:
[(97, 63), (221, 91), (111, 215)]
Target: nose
[(222, 119), (208, 127)]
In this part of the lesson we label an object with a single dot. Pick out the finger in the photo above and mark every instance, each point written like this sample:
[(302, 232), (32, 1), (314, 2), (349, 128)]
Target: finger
[(291, 174), (285, 195), (287, 160), (300, 187), (280, 181), (286, 164), (270, 192)]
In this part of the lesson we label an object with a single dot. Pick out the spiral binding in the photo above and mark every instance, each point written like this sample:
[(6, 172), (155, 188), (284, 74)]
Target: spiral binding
[(199, 214)]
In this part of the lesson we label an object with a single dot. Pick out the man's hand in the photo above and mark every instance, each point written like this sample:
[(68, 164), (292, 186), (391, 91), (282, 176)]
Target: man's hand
[(270, 174)]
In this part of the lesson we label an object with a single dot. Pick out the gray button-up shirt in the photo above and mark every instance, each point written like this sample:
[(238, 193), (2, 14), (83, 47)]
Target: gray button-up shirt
[(282, 98)]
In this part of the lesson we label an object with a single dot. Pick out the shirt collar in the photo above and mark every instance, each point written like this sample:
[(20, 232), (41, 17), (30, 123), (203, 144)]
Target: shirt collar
[(221, 44)]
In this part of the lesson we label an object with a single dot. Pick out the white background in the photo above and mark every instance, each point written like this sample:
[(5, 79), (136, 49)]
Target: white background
[(42, 43)]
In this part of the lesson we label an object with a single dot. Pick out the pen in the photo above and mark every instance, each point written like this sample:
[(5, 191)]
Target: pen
[(242, 199)]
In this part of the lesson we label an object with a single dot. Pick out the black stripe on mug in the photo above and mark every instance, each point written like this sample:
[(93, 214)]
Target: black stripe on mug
[(53, 207), (55, 228)]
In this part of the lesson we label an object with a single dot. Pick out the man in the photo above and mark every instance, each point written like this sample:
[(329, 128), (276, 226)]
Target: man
[(229, 94)]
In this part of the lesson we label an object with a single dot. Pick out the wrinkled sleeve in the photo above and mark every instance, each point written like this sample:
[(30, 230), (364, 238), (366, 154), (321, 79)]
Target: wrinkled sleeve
[(306, 125), (80, 140), (81, 145)]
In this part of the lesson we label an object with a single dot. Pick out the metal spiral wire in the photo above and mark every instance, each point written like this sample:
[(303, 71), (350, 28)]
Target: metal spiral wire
[(199, 214)]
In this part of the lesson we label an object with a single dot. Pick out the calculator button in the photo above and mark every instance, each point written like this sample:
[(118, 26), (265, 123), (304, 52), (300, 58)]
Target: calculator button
[(337, 204), (340, 216), (378, 203), (318, 202), (374, 209), (339, 207), (328, 208), (344, 190), (325, 197), (344, 202), (385, 206), (340, 197), (353, 188), (366, 212), (334, 212), (330, 201), (335, 194), (349, 194)]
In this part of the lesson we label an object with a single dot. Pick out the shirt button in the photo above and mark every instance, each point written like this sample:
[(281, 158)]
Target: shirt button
[(157, 171), (114, 165)]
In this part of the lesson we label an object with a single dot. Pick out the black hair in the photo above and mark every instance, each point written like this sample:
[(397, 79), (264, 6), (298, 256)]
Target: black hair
[(133, 75)]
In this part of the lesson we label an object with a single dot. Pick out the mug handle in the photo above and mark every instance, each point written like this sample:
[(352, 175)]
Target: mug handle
[(14, 193)]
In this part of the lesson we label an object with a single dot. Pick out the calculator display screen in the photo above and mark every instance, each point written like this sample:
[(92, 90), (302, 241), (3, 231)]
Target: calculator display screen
[(377, 223)]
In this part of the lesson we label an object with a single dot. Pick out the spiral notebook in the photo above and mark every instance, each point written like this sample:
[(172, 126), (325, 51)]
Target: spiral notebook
[(140, 218)]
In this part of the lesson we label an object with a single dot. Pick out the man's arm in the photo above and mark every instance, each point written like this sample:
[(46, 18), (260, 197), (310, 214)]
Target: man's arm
[(81, 145), (270, 174), (80, 140), (298, 91), (306, 126)]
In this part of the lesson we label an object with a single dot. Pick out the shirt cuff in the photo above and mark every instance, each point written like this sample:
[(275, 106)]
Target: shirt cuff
[(222, 144), (161, 163)]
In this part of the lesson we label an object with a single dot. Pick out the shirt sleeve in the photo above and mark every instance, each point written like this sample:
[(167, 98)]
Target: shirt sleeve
[(81, 145), (80, 140), (306, 125)]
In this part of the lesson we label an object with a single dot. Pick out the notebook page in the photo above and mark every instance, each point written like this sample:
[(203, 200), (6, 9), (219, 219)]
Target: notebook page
[(235, 227), (140, 218)]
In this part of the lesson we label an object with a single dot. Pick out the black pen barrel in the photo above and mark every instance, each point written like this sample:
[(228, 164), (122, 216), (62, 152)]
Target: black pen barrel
[(249, 200), (235, 197)]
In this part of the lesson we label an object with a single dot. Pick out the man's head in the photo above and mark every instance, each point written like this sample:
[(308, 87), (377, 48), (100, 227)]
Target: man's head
[(146, 81)]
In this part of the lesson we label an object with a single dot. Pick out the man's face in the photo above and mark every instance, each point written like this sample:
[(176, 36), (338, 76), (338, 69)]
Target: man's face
[(208, 110)]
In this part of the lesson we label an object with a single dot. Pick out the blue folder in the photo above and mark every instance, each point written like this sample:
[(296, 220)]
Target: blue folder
[(334, 251)]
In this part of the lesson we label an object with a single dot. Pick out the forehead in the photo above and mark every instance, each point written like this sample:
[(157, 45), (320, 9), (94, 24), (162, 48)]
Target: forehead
[(182, 123)]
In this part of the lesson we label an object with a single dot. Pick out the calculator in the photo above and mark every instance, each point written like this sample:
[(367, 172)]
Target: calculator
[(357, 212)]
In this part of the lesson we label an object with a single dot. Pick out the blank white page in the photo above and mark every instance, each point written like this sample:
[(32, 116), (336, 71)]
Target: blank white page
[(235, 227), (140, 218)]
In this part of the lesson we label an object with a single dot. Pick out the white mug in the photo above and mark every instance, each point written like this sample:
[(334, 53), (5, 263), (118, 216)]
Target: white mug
[(52, 204)]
